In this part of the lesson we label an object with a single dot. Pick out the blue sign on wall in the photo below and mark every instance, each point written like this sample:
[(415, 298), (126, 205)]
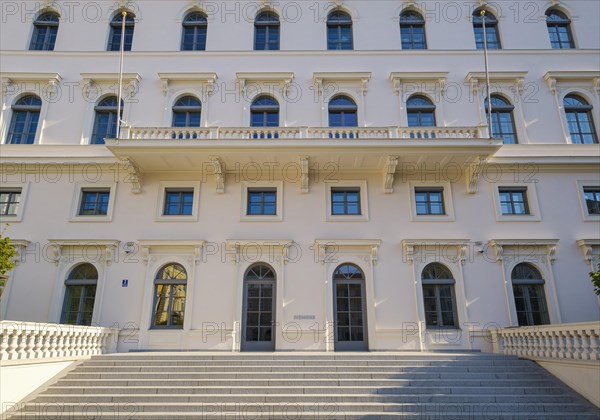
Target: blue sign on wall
[(124, 282)]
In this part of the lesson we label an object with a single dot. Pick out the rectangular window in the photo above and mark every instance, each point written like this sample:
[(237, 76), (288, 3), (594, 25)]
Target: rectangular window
[(262, 202), (10, 199), (94, 202), (513, 201), (429, 201), (178, 202), (345, 201), (592, 199)]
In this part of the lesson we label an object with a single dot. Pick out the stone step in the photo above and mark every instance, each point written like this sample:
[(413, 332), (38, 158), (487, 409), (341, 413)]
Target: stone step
[(331, 390), (270, 356), (303, 398), (243, 363), (307, 382), (50, 409), (300, 375), (285, 415), (291, 369)]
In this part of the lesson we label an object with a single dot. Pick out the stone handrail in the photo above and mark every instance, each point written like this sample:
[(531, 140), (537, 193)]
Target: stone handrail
[(438, 133), (580, 341), (230, 133), (32, 340), (241, 133), (349, 133)]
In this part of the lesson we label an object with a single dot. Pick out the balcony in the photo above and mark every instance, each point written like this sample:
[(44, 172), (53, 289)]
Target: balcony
[(222, 150), (306, 133)]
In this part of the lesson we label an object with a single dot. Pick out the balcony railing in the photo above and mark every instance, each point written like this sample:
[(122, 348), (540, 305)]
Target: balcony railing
[(30, 340), (579, 341), (282, 133)]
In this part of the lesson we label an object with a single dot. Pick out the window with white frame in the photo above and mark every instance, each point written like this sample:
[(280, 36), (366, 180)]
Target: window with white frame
[(516, 202), (93, 202), (431, 201), (439, 298), (530, 298), (12, 201), (80, 295), (170, 287), (347, 201), (178, 201), (24, 121), (262, 201), (589, 199)]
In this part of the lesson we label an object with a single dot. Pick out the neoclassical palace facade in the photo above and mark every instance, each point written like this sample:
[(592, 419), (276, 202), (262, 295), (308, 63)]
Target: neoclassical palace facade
[(290, 175)]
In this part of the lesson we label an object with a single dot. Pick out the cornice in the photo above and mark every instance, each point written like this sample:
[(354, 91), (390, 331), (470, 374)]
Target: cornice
[(15, 77)]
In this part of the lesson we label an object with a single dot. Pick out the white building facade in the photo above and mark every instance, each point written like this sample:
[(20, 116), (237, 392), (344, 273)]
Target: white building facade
[(301, 176)]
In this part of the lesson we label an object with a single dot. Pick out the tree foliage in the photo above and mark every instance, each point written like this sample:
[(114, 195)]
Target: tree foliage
[(7, 252), (595, 276)]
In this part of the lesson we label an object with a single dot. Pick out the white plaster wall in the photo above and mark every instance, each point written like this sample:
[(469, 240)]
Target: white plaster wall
[(16, 382)]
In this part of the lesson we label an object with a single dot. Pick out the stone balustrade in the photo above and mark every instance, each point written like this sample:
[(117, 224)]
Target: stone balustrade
[(275, 133), (31, 340), (579, 341)]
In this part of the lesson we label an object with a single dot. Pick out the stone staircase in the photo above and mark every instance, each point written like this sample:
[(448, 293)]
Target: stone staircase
[(285, 386)]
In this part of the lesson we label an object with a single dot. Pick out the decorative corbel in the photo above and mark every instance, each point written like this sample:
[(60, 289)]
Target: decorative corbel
[(52, 89), (552, 254), (135, 175), (303, 174), (462, 253), (597, 85), (498, 251), (374, 254), (321, 253), (319, 87), (285, 252), (165, 86), (551, 82), (520, 85), (474, 86), (133, 87), (145, 254), (241, 86), (218, 168), (397, 86), (409, 251), (474, 173), (442, 86), (389, 171), (338, 3), (57, 253), (197, 254), (20, 246), (363, 87), (109, 253)]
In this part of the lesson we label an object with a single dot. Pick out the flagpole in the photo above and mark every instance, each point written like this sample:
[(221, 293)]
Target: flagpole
[(121, 53), (487, 78)]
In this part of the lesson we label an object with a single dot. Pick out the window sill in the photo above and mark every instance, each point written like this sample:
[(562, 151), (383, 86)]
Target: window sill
[(518, 218), (346, 218), (433, 218), (261, 218), (91, 219), (174, 218)]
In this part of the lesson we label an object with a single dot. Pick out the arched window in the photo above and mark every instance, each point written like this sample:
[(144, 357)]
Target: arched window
[(491, 30), (559, 29), (24, 121), (342, 112), (193, 36), (579, 119), (105, 121), (503, 123), (438, 297), (339, 31), (266, 31), (114, 40), (186, 112), (349, 307), (412, 31), (264, 112), (420, 111), (169, 296), (530, 299), (259, 308), (45, 29), (80, 293)]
